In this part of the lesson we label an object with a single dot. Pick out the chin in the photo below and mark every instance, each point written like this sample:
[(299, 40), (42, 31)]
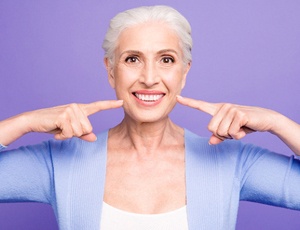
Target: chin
[(147, 116)]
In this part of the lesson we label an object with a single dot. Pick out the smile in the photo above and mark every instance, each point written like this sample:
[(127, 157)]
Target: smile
[(148, 97)]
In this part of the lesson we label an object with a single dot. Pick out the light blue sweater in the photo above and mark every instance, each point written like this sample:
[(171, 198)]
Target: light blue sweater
[(69, 175)]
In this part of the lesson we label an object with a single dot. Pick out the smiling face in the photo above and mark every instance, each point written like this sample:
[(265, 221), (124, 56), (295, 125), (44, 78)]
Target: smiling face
[(148, 71)]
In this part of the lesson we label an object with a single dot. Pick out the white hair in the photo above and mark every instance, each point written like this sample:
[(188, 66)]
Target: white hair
[(144, 14)]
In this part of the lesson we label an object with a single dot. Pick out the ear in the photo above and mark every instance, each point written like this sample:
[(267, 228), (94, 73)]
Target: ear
[(187, 69), (110, 72)]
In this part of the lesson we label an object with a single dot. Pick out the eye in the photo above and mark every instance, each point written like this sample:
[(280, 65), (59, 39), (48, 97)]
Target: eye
[(167, 60), (131, 59)]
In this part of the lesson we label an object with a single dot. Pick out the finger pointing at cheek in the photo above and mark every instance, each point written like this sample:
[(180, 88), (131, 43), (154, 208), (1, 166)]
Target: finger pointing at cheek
[(93, 108), (209, 108), (98, 106), (203, 106)]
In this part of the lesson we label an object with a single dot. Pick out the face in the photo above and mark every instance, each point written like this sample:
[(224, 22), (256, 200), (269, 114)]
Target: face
[(148, 71)]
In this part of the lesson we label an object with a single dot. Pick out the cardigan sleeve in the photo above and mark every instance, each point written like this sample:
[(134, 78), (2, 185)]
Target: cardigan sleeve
[(270, 178), (26, 174)]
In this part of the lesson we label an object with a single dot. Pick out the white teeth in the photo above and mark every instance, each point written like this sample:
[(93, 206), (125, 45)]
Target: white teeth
[(147, 97)]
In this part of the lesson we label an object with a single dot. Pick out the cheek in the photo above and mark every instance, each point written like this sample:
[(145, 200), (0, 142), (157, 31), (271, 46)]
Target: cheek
[(124, 79), (174, 80), (125, 73)]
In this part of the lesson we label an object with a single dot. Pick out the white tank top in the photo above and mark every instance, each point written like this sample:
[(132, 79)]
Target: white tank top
[(116, 219)]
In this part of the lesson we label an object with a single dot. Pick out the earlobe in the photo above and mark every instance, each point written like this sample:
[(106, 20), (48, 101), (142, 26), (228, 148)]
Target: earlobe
[(110, 74)]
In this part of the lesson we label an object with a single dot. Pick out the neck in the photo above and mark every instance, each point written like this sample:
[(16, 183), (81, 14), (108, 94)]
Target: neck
[(147, 138)]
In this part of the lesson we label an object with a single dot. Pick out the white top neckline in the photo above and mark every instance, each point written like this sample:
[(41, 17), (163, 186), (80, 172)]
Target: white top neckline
[(117, 219)]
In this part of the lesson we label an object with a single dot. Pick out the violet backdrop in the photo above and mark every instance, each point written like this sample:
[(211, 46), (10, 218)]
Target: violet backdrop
[(245, 52)]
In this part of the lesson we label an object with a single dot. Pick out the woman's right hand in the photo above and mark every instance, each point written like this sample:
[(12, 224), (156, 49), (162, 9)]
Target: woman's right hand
[(63, 121)]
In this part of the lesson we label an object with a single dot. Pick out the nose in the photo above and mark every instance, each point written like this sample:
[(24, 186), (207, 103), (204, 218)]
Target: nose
[(149, 75)]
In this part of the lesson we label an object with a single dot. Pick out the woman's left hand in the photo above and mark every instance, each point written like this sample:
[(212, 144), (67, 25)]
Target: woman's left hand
[(234, 121)]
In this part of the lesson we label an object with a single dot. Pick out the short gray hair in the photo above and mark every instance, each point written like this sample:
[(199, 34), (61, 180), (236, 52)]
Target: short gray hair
[(144, 14)]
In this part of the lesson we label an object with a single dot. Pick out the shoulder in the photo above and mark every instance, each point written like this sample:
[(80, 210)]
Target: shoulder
[(231, 158), (230, 151), (195, 142), (76, 146)]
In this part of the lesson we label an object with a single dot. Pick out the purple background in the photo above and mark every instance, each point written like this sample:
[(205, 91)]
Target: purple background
[(245, 52)]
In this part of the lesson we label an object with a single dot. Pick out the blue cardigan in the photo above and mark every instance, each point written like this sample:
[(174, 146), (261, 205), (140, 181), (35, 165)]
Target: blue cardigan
[(70, 176)]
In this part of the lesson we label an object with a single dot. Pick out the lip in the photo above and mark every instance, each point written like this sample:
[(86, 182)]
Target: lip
[(150, 94)]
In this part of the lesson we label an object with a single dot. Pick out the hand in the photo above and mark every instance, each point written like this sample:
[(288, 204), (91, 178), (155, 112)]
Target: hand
[(233, 121), (68, 120), (64, 121)]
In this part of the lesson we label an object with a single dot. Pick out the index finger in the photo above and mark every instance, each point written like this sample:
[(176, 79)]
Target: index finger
[(98, 106), (203, 106)]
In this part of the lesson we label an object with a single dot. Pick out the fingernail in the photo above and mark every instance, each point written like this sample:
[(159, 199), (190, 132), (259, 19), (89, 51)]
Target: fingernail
[(178, 96)]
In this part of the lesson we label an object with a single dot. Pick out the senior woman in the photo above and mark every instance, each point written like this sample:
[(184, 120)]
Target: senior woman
[(147, 172)]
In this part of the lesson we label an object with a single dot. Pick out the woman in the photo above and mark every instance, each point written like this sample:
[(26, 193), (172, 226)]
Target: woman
[(147, 172)]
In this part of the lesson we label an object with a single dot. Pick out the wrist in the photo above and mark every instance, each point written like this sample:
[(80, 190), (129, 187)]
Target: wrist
[(25, 122), (288, 131), (12, 129), (279, 123)]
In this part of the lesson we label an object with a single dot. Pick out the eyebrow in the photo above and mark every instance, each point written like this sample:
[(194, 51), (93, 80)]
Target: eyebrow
[(139, 52), (167, 51), (130, 52)]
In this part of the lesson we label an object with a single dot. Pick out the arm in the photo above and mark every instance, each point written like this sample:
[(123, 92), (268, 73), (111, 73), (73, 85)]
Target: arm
[(235, 121), (63, 121), (270, 178), (26, 174)]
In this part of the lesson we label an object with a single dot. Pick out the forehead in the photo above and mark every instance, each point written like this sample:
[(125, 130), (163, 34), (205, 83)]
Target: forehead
[(145, 37)]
